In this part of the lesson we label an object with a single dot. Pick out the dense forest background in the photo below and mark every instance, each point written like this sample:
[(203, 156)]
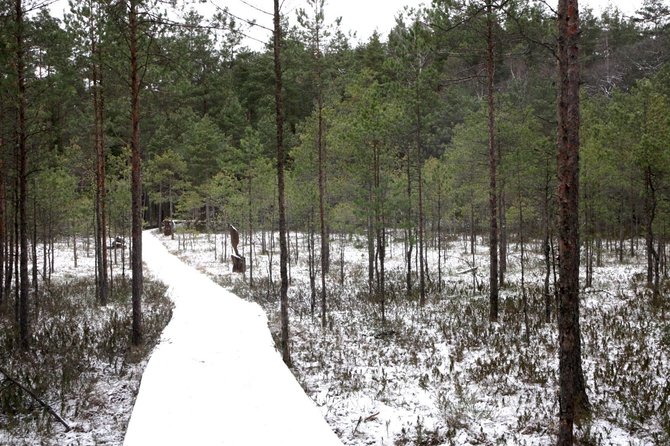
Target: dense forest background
[(390, 134)]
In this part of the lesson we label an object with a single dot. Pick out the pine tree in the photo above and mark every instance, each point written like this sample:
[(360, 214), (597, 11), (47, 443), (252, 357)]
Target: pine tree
[(136, 175), (283, 256), (573, 399)]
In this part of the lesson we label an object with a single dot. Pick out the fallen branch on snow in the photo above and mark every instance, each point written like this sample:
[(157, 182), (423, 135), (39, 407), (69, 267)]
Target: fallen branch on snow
[(471, 270), (36, 398)]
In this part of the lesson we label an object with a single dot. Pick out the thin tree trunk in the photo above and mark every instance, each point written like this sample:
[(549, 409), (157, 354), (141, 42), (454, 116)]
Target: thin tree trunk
[(9, 263), (380, 231), (342, 259), (439, 237), (524, 296), (33, 248), (17, 253), (271, 284), (472, 247), (502, 230), (371, 245), (573, 400), (74, 246), (493, 234), (546, 249), (322, 216), (419, 163), (650, 205), (311, 263), (100, 194), (279, 108), (136, 181), (251, 237), (3, 235), (22, 147), (588, 245), (408, 237), (52, 249)]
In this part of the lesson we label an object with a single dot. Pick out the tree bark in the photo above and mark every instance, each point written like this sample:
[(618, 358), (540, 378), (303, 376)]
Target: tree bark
[(2, 228), (251, 233), (380, 231), (100, 194), (322, 192), (572, 398), (493, 201), (310, 262), (439, 237), (650, 205), (21, 136), (283, 257), (546, 250), (419, 163), (371, 245), (136, 181), (408, 236), (502, 231)]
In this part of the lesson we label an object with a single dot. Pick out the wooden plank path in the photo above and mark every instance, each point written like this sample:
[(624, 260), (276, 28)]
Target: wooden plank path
[(215, 378)]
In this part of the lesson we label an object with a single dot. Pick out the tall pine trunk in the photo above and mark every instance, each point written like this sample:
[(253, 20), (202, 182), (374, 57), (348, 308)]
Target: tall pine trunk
[(502, 231), (136, 180), (573, 400), (2, 229), (650, 205), (419, 163), (283, 256), (251, 233), (409, 242), (322, 193), (493, 201), (380, 231), (546, 248), (100, 193), (22, 152)]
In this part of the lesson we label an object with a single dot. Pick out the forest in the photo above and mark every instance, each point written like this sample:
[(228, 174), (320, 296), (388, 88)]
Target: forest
[(436, 140)]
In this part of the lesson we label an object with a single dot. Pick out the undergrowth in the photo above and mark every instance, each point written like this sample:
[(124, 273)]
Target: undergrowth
[(79, 352), (442, 374)]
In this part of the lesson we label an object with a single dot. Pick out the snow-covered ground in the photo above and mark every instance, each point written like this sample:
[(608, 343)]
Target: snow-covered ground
[(441, 374), (80, 363), (433, 375), (215, 378)]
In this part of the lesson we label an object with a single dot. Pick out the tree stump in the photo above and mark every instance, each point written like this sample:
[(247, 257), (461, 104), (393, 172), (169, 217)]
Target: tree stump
[(168, 228), (239, 263)]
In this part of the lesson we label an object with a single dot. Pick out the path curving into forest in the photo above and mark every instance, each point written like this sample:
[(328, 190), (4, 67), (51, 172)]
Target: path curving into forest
[(215, 377)]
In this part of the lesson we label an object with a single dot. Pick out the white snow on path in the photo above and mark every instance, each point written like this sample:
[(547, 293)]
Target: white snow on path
[(215, 378)]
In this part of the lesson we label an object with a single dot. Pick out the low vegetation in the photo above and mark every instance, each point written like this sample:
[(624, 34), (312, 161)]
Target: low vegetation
[(442, 374), (81, 364)]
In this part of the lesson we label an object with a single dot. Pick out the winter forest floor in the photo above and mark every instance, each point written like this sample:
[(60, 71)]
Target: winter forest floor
[(81, 362), (435, 375), (442, 374)]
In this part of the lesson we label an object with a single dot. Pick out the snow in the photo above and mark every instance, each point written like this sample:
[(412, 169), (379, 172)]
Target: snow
[(441, 374), (216, 378)]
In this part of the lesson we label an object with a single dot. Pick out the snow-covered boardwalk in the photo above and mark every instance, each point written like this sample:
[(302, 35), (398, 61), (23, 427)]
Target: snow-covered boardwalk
[(215, 378)]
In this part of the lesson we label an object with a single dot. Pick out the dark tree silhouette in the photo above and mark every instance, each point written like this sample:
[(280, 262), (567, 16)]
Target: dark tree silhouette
[(572, 398), (493, 198), (283, 256), (136, 178), (22, 157)]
